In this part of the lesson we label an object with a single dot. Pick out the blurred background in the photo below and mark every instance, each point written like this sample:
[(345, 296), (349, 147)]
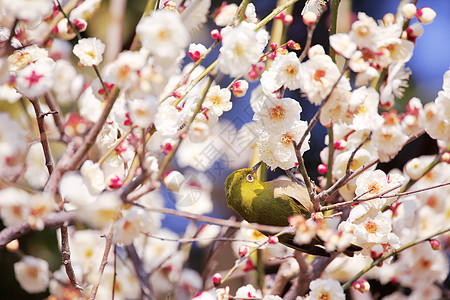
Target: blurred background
[(430, 61)]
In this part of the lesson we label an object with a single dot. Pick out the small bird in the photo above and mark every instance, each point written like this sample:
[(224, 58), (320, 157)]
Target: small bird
[(271, 203)]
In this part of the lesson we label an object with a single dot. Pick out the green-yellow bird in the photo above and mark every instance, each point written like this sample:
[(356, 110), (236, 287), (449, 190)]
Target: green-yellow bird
[(271, 203)]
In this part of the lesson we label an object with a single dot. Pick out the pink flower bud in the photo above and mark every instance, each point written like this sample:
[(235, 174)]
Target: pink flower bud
[(435, 244), (287, 20), (414, 31), (273, 239), (243, 251), (249, 265), (215, 34), (362, 286), (445, 157), (409, 10), (340, 144), (239, 88), (273, 46), (114, 182), (217, 279), (425, 15), (322, 169), (280, 16), (309, 18), (376, 251)]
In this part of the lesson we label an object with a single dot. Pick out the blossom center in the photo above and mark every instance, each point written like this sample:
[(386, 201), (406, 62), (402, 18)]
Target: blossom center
[(291, 70), (371, 227), (363, 31), (374, 188), (318, 75), (286, 139), (34, 78), (324, 296), (278, 112)]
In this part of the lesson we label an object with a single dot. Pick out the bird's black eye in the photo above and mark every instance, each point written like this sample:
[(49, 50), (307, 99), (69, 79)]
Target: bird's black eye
[(250, 178)]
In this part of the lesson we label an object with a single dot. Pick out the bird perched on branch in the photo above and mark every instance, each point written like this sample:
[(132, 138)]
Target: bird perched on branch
[(272, 203)]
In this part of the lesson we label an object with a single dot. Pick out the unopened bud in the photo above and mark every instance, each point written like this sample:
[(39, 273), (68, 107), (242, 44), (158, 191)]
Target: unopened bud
[(215, 34), (309, 18), (376, 251), (239, 88), (435, 244), (388, 19), (273, 239), (13, 245), (293, 45), (322, 169), (445, 157), (409, 10), (113, 182), (362, 286), (340, 144), (414, 168), (173, 181), (273, 46), (243, 251), (414, 30), (426, 15), (287, 20), (217, 279)]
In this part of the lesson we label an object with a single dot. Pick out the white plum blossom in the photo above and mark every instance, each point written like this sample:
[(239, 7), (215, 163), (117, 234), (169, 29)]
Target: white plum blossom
[(133, 221), (14, 206), (241, 49), (276, 148), (124, 71), (247, 291), (396, 83), (33, 274), (29, 11), (93, 176), (143, 111), (343, 44), (36, 78), (89, 51), (196, 51), (226, 14), (364, 31), (317, 77), (284, 71), (218, 100), (12, 146), (277, 114), (325, 289), (163, 34)]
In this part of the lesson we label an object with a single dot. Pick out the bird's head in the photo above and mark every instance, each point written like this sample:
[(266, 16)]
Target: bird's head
[(237, 179)]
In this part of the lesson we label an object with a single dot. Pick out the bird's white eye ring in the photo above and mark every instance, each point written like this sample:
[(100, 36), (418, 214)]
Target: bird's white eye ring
[(250, 178)]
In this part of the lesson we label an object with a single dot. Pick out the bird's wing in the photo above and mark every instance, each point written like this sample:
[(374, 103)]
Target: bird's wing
[(293, 190)]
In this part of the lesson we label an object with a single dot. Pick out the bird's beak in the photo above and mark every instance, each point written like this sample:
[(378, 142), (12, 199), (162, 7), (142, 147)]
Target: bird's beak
[(255, 167)]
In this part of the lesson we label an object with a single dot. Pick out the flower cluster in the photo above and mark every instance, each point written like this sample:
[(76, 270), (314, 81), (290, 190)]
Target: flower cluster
[(112, 142)]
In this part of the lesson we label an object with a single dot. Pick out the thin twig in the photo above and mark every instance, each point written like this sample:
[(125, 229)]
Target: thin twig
[(43, 134), (352, 156), (57, 116), (103, 264), (53, 220), (65, 253), (142, 275)]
